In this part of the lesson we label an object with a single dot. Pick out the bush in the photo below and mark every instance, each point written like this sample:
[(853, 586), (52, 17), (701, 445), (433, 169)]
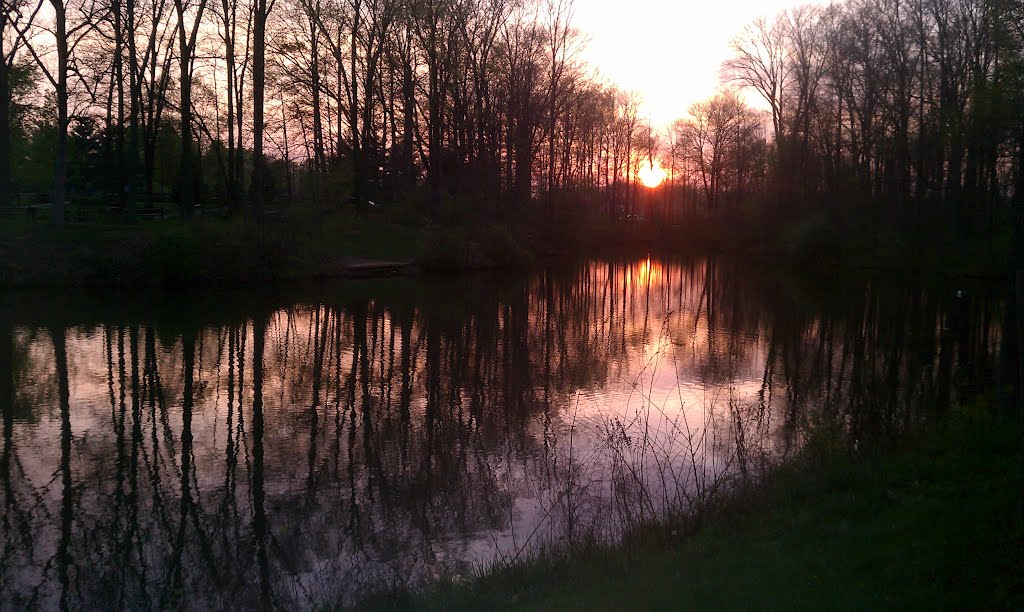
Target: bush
[(812, 239), (448, 248), (173, 258), (502, 248), (444, 249)]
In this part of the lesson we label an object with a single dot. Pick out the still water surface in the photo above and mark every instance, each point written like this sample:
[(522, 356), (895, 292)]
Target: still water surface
[(236, 450)]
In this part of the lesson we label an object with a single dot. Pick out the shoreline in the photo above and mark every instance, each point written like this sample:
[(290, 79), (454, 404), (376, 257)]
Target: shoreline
[(231, 254), (929, 522)]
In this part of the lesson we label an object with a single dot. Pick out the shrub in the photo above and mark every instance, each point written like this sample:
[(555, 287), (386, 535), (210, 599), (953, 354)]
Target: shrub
[(812, 239), (173, 257), (447, 248)]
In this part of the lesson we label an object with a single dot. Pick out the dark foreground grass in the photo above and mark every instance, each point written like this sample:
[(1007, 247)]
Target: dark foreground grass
[(197, 252), (935, 524), (235, 251), (304, 244)]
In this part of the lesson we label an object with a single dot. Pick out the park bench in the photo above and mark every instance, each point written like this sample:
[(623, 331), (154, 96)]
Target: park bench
[(141, 212), (33, 198), (35, 211), (209, 211), (150, 212), (87, 213), (32, 205)]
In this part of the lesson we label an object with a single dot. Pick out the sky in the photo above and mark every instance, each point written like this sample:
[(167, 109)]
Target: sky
[(669, 51)]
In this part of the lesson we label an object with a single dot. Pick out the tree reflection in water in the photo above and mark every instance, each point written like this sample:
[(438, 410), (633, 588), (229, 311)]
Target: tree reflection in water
[(283, 454)]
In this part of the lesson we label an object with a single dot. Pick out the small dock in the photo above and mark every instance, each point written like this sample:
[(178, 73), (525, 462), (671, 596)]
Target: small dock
[(356, 267), (364, 268)]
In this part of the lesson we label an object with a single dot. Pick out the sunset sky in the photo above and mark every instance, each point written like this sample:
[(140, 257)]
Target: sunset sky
[(668, 50)]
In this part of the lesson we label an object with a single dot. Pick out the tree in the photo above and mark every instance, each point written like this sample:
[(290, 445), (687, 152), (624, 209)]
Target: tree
[(235, 68), (186, 50), (761, 63), (66, 38), (562, 47), (259, 77), (718, 139), (14, 23)]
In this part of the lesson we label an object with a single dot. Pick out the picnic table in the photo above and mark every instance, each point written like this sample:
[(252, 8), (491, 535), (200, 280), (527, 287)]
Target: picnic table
[(141, 212), (32, 211)]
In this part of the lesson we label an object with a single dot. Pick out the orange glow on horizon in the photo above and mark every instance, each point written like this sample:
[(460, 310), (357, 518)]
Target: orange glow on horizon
[(668, 52), (652, 175), (644, 274)]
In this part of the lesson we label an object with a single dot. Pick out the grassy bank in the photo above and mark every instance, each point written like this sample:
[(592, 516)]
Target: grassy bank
[(203, 251), (307, 245), (236, 252), (934, 523)]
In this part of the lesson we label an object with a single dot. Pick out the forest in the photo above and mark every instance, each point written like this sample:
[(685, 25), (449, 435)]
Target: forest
[(780, 335), (900, 113)]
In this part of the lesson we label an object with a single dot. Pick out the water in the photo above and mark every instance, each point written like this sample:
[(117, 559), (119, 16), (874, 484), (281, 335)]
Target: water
[(289, 449)]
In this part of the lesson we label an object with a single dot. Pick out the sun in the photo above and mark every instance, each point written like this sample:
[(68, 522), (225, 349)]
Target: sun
[(652, 175)]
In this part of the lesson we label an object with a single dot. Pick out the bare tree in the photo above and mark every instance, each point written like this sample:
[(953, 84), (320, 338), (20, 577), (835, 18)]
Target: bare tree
[(15, 20), (714, 141), (563, 46), (761, 63), (187, 37), (235, 41), (66, 38), (259, 76)]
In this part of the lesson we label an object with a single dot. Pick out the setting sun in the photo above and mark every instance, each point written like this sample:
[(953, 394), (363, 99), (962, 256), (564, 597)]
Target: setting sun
[(652, 175)]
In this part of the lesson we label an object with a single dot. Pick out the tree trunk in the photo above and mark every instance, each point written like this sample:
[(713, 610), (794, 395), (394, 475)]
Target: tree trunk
[(5, 125), (319, 162), (121, 161), (1015, 316), (135, 98), (258, 92), (60, 149), (231, 181), (358, 161), (185, 178)]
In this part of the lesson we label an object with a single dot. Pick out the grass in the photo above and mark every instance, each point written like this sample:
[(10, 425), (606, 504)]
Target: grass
[(234, 252), (932, 524), (307, 244), (202, 251)]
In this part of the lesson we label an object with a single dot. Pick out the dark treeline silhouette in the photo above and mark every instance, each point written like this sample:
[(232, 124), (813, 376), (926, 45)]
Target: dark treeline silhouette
[(913, 106), (442, 105), (909, 108), (304, 453)]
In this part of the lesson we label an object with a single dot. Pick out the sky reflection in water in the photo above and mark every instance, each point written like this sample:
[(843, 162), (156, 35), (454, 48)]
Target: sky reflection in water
[(148, 460)]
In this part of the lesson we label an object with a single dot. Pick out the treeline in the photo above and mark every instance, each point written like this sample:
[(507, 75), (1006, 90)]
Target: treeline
[(918, 104), (447, 104), (485, 107)]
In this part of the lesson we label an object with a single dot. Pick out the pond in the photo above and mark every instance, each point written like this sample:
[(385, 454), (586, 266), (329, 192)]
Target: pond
[(305, 445)]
